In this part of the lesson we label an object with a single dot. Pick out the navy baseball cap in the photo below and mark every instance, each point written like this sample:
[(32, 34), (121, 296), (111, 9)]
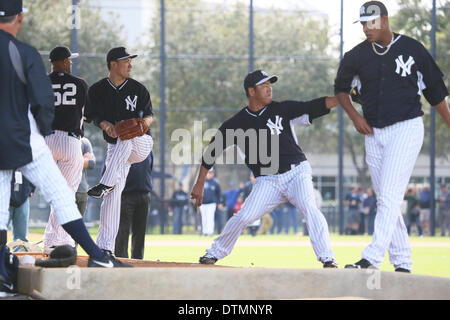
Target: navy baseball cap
[(11, 8), (61, 53), (371, 10), (118, 53), (256, 78)]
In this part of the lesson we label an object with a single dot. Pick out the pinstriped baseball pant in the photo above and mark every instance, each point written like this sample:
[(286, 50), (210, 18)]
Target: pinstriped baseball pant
[(119, 158), (66, 151), (45, 175), (391, 153), (268, 192)]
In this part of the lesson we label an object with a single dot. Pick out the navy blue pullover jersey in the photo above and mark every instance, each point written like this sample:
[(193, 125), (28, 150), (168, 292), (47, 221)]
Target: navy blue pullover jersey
[(113, 104), (24, 87), (391, 85), (211, 191), (70, 100), (254, 133)]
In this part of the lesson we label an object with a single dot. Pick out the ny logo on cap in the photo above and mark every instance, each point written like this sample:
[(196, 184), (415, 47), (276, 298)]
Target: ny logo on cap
[(275, 127), (131, 104), (404, 66), (362, 10)]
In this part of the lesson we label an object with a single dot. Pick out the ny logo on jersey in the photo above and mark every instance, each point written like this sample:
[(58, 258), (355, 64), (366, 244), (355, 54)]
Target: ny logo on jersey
[(275, 127), (404, 66), (131, 104)]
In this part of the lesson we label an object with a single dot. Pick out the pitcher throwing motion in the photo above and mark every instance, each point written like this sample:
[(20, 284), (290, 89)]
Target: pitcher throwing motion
[(393, 71), (263, 128)]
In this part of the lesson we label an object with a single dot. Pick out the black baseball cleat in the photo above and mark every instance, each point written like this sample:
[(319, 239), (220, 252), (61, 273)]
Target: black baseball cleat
[(361, 264), (207, 259), (330, 264), (108, 261), (402, 270), (99, 191)]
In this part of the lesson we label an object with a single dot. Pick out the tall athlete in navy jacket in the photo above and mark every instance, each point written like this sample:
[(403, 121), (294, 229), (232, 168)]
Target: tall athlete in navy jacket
[(393, 70), (26, 115)]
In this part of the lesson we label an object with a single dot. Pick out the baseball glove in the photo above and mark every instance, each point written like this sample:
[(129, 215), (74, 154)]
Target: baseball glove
[(60, 257), (355, 95), (128, 129)]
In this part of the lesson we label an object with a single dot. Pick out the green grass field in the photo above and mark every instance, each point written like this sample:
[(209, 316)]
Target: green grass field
[(430, 255)]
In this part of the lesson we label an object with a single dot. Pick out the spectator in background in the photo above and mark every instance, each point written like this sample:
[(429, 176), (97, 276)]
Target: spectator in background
[(277, 218), (369, 206), (211, 199), (425, 208), (221, 214), (179, 203), (134, 209), (291, 218), (362, 215), (245, 191), (412, 210), (81, 195), (353, 201), (444, 209), (231, 196), (19, 206), (238, 204)]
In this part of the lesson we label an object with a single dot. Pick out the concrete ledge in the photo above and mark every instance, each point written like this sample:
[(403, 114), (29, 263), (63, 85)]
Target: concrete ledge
[(215, 283)]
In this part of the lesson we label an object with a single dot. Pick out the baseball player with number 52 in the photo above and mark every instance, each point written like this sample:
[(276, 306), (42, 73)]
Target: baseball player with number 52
[(393, 70), (65, 141)]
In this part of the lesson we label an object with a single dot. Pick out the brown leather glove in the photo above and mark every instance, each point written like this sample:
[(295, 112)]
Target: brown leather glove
[(128, 129)]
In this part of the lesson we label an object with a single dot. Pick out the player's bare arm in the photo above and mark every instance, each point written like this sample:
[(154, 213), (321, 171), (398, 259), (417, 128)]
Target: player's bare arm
[(443, 110), (331, 102), (359, 121), (197, 190), (108, 127)]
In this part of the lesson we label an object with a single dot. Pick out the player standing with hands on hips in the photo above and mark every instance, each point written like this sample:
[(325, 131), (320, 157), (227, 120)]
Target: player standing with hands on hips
[(393, 70), (64, 143), (259, 130), (111, 102), (26, 116)]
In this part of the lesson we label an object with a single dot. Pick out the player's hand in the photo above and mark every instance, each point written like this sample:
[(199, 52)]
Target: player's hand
[(109, 129), (197, 194), (361, 125)]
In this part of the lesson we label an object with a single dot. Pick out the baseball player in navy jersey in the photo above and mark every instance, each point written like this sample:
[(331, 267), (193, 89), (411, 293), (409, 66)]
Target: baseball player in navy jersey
[(64, 143), (110, 100), (26, 115), (393, 71), (263, 129)]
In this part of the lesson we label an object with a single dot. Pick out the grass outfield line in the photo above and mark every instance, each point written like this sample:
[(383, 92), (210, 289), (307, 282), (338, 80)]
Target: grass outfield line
[(430, 255)]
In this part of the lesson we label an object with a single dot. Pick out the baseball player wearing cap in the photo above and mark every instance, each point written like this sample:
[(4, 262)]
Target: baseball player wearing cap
[(110, 100), (26, 116), (393, 71), (64, 143), (211, 200), (263, 129)]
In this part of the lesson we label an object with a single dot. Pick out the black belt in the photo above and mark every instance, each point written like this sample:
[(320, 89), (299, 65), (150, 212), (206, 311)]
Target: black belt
[(288, 168), (73, 134), (70, 134)]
